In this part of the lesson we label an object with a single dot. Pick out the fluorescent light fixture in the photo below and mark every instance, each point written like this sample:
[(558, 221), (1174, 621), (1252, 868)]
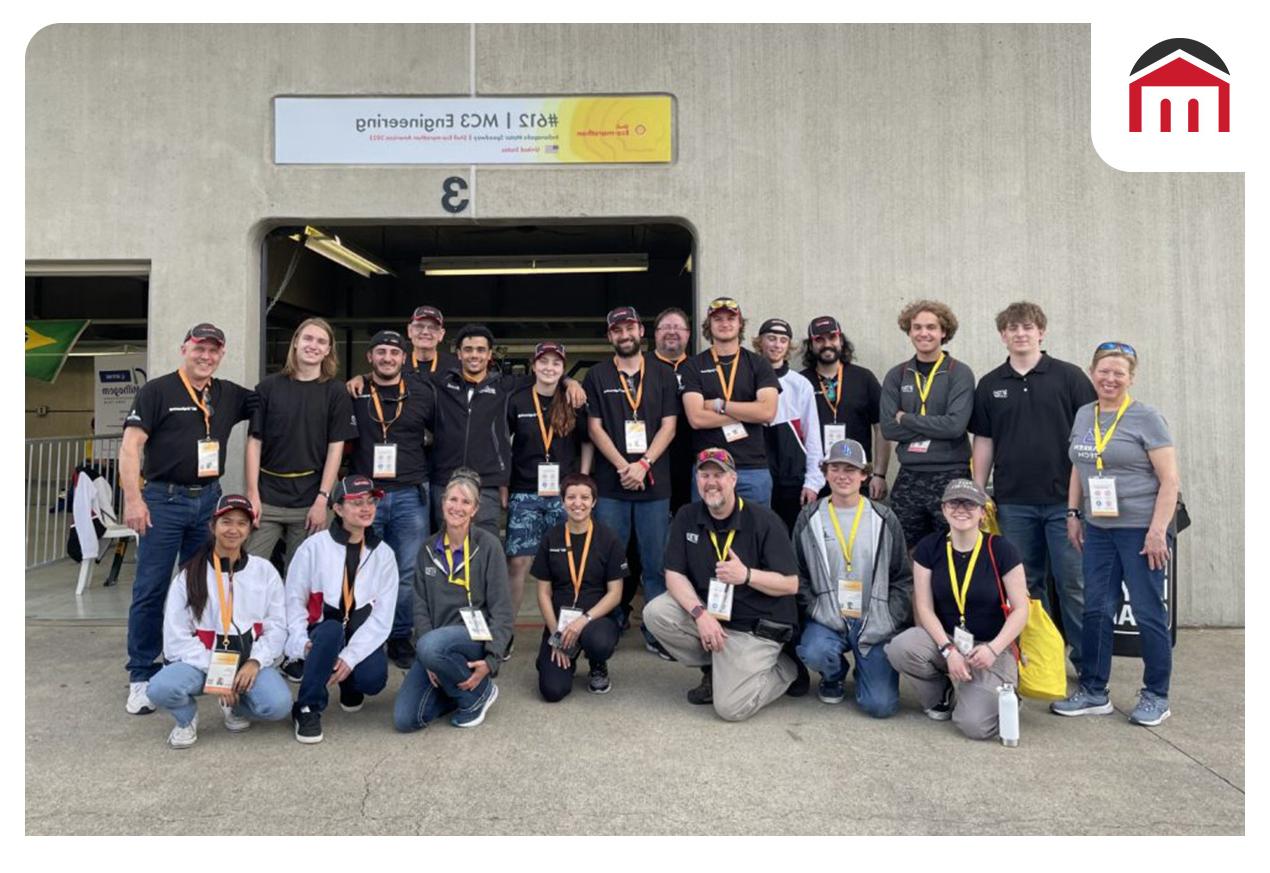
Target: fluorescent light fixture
[(328, 245), (527, 265)]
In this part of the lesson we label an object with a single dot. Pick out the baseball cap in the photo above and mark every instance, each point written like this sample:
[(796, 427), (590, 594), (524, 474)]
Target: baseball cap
[(390, 338), (230, 502), (205, 332), (426, 312), (777, 326), (352, 486), (823, 326), (621, 315), (722, 457), (720, 304), (549, 348), (846, 452), (964, 489)]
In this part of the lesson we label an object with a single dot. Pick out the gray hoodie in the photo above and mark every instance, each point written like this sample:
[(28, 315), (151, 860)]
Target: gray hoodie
[(948, 408)]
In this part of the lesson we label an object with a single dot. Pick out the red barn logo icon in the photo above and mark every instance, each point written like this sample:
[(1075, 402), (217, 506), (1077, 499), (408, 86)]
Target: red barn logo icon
[(1179, 85)]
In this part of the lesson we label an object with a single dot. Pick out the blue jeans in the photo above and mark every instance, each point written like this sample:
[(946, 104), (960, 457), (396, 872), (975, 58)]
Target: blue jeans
[(179, 525), (368, 677), (651, 521), (1040, 535), (445, 651), (176, 685), (402, 522), (1111, 554), (877, 685), (752, 484)]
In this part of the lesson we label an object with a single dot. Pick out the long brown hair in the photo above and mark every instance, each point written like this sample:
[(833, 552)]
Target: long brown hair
[(330, 364), (196, 576), (561, 415)]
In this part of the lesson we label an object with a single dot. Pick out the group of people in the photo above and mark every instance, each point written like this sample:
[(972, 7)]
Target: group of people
[(768, 542)]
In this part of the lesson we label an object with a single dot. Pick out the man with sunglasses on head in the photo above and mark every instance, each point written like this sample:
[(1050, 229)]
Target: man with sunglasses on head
[(729, 394)]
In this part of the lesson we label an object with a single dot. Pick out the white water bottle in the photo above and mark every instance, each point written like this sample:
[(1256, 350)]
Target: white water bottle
[(1008, 715)]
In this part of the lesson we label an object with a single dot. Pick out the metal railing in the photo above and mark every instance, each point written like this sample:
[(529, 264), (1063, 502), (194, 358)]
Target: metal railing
[(51, 465)]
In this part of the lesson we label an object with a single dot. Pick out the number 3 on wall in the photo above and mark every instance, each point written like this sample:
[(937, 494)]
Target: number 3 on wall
[(455, 197)]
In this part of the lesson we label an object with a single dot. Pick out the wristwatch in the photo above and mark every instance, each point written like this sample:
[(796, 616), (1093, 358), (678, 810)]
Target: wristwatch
[(718, 405), (946, 649), (696, 611), (326, 495), (748, 571), (1074, 513)]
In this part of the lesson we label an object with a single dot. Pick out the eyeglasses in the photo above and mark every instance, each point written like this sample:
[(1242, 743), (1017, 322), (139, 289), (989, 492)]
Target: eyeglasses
[(724, 303), (361, 502), (961, 505), (672, 328), (1123, 348)]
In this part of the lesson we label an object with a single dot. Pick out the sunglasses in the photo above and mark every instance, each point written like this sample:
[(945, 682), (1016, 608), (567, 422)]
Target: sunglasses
[(716, 455), (724, 303), (1123, 348)]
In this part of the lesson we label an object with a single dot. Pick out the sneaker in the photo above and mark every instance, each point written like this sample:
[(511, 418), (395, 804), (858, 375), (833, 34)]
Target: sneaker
[(802, 682), (599, 679), (293, 669), (350, 700), (474, 716), (703, 693), (138, 700), (942, 711), (511, 646), (1083, 702), (308, 725), (401, 652), (658, 649), (184, 737), (234, 723), (831, 692), (1151, 709)]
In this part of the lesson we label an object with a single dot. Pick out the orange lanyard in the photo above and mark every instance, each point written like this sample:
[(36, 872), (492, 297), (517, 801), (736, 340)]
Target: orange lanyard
[(575, 572), (401, 403), (348, 592), (726, 387), (824, 390), (226, 601), (207, 415), (548, 433), (675, 363), (626, 389), (414, 361)]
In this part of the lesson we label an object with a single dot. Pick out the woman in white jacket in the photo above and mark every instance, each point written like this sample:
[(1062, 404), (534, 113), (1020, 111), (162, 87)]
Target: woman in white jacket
[(223, 629)]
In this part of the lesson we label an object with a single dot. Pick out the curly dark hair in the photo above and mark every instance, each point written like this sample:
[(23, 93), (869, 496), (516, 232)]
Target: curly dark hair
[(809, 355)]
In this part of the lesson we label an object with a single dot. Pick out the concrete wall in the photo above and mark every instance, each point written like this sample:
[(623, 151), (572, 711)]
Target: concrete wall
[(843, 169)]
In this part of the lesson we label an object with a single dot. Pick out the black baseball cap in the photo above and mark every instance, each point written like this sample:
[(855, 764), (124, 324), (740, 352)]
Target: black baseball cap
[(230, 502), (390, 338), (621, 315), (352, 486), (823, 326), (426, 312), (777, 326), (205, 332)]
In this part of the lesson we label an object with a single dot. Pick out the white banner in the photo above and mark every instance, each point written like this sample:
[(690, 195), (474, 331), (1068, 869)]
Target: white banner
[(116, 381)]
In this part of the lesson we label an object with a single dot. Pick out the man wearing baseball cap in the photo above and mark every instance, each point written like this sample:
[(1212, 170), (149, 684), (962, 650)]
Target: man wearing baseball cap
[(854, 585), (426, 331), (181, 421), (729, 606)]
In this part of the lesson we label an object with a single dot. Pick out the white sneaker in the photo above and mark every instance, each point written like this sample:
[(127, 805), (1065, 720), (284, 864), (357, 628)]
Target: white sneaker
[(233, 723), (138, 701), (184, 737)]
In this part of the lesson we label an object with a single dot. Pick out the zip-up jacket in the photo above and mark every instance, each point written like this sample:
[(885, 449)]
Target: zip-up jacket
[(315, 584), (438, 600), (948, 408), (794, 451), (259, 616), (473, 432), (887, 592)]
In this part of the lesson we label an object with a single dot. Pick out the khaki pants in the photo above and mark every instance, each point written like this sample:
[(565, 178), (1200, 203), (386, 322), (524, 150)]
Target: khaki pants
[(748, 674), (278, 522), (914, 654)]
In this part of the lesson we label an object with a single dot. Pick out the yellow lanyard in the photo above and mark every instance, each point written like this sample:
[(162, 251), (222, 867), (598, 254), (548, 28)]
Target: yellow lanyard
[(548, 433), (726, 386), (207, 415), (379, 410), (1100, 442), (727, 544), (466, 581), (959, 596), (575, 572), (626, 389), (824, 390), (348, 593), (923, 393), (848, 546), (673, 364), (225, 600)]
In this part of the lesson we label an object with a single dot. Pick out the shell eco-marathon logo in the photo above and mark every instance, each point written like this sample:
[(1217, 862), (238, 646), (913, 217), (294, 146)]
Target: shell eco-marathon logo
[(1179, 85)]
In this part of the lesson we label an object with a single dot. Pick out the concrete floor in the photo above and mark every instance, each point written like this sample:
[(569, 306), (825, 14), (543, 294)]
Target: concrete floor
[(637, 761)]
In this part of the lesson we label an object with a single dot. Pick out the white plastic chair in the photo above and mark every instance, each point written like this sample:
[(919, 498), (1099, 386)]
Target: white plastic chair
[(92, 500)]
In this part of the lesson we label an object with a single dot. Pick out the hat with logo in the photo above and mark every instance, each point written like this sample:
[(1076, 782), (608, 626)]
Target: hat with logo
[(549, 348), (964, 489), (846, 452), (230, 502), (723, 304), (390, 338), (777, 326), (823, 326), (353, 486), (722, 457), (428, 312), (621, 315), (205, 332)]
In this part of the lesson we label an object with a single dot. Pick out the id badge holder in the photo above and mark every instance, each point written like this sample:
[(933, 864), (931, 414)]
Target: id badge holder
[(834, 433), (719, 600), (1102, 497), (734, 431), (384, 465), (850, 597), (221, 672), (477, 629), (208, 458), (919, 447), (963, 639), (548, 480), (636, 438), (567, 617)]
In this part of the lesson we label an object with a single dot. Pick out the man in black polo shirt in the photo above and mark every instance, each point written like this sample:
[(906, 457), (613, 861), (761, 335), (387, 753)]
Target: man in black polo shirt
[(392, 416), (729, 607), (426, 331), (632, 404), (1022, 419), (729, 394), (182, 421), (847, 397), (671, 335)]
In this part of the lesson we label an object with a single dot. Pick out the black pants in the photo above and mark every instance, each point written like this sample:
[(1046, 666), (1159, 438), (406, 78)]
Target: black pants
[(598, 638), (787, 502)]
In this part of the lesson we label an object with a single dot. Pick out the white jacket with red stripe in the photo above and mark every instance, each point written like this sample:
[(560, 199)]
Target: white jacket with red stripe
[(258, 608)]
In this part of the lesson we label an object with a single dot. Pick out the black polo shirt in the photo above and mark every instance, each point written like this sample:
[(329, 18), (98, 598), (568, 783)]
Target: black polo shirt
[(1029, 418), (438, 365), (762, 543), (606, 400), (984, 616), (681, 454), (752, 373), (605, 562), (417, 415), (527, 444), (859, 398), (295, 423), (174, 425)]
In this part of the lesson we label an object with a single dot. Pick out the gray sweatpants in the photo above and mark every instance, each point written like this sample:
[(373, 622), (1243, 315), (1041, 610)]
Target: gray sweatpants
[(278, 522), (748, 674)]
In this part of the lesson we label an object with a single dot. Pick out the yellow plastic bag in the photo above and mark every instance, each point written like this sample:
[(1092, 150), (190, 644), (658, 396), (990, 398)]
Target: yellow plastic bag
[(990, 524), (1042, 666)]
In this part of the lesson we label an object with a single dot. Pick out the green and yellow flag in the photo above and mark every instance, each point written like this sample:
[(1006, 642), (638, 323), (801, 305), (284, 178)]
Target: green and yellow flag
[(47, 345)]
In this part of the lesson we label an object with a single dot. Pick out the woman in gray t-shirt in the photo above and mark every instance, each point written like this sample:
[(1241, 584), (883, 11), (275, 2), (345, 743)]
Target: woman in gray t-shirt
[(1121, 497)]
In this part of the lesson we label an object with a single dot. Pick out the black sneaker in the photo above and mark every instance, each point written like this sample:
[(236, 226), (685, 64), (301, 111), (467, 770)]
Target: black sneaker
[(511, 647), (703, 693), (651, 644), (599, 680), (942, 711), (350, 700), (308, 725), (293, 669), (401, 652), (802, 682)]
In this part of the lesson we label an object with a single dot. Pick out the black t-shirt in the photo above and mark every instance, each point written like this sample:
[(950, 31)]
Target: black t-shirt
[(527, 442), (761, 543), (607, 401), (606, 561), (417, 415), (984, 616), (295, 422), (753, 372), (1029, 419), (439, 364), (681, 454), (858, 399), (164, 409)]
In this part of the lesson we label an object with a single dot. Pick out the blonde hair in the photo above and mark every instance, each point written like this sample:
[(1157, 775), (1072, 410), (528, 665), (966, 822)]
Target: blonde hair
[(467, 479), (330, 364), (1114, 353)]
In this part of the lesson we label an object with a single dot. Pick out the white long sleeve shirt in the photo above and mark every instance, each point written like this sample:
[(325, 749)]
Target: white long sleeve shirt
[(796, 407), (258, 608)]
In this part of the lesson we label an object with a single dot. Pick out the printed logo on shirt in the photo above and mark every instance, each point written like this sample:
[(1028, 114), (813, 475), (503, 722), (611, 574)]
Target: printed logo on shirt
[(612, 391), (527, 415), (183, 409), (1084, 446), (430, 571), (1000, 393), (906, 389), (559, 551), (488, 389), (692, 538)]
